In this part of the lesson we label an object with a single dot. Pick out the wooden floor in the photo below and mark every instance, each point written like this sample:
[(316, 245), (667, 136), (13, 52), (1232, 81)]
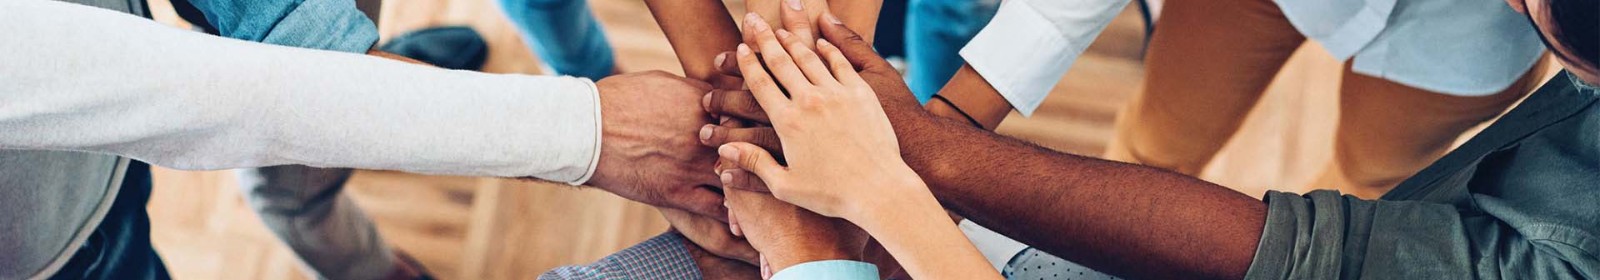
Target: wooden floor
[(487, 228)]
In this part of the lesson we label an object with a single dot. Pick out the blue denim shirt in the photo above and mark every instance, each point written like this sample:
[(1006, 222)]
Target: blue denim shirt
[(314, 24)]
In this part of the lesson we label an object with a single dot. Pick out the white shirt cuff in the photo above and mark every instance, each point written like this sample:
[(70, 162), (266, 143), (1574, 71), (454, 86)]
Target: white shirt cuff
[(599, 131), (1029, 45)]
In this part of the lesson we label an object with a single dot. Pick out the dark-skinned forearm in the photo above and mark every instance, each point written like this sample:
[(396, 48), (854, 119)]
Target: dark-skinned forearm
[(1124, 219), (698, 30)]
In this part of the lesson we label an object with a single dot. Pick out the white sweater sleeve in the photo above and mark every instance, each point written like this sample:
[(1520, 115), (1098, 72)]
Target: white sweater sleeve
[(79, 78)]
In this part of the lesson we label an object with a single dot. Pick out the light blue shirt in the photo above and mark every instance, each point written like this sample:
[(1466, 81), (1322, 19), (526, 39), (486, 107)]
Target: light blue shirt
[(1456, 47), (829, 269)]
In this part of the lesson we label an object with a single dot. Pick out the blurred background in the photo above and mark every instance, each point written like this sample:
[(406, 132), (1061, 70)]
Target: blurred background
[(491, 228)]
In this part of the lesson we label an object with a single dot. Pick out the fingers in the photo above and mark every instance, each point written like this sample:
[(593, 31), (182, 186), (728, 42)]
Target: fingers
[(710, 235), (766, 91), (741, 180), (857, 50), (736, 103), (764, 137), (797, 21), (808, 61), (842, 70), (750, 157), (777, 59), (700, 201)]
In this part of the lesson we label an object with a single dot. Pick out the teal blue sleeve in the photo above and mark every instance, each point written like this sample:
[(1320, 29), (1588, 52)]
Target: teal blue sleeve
[(829, 269)]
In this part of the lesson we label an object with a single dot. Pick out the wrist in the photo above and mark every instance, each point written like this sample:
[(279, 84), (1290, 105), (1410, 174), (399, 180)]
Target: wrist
[(900, 199), (805, 253)]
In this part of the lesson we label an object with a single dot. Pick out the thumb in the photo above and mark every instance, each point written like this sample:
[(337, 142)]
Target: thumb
[(750, 157), (855, 49)]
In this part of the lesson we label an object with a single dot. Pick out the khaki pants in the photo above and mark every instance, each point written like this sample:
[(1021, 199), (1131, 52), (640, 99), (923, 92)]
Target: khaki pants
[(1211, 61)]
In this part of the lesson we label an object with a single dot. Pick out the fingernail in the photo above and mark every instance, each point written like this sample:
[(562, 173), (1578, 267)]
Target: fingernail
[(823, 42), (831, 19), (783, 34), (721, 57), (705, 134), (755, 21), (724, 120), (744, 50), (705, 102), (793, 4), (727, 177), (728, 151)]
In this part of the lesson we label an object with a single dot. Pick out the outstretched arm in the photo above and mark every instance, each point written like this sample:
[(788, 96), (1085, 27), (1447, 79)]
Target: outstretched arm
[(1125, 219), (698, 30)]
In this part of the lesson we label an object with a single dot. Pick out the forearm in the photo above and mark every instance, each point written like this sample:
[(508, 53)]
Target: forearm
[(90, 80), (859, 15), (1126, 219), (698, 30), (918, 233), (970, 99)]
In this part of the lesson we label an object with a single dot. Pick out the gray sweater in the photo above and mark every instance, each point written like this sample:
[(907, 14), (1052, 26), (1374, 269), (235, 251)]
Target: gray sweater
[(77, 78)]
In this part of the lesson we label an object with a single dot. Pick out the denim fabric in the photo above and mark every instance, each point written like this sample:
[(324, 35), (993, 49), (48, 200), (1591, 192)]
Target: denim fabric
[(315, 24), (935, 32), (565, 35), (1517, 201), (120, 246)]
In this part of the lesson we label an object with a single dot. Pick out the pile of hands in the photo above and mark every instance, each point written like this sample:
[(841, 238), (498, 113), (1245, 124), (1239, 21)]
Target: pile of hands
[(794, 159)]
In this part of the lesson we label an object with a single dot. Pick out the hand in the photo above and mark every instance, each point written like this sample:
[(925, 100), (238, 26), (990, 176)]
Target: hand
[(649, 151), (787, 235), (711, 235), (833, 115), (898, 103)]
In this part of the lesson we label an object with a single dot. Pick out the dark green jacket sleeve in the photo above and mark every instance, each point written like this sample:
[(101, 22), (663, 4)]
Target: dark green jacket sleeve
[(1520, 200)]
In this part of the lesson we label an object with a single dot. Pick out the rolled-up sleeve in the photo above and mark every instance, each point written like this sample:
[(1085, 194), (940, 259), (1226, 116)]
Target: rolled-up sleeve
[(1322, 235), (316, 24), (1029, 45)]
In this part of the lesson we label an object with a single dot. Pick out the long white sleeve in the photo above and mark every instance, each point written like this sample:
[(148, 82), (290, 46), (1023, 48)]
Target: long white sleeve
[(79, 78), (1030, 44)]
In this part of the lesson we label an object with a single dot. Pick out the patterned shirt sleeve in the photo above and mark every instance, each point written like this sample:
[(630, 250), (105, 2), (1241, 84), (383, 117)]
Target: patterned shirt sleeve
[(662, 257)]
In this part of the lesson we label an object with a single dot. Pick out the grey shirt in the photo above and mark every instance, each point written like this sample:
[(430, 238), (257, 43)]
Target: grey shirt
[(1521, 200)]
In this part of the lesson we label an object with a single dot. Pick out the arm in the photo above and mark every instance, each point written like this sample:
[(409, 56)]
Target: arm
[(1125, 219), (215, 104), (1079, 208), (697, 30), (1023, 52)]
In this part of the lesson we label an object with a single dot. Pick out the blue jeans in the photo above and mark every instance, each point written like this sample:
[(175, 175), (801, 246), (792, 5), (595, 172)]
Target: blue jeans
[(564, 34), (120, 246), (935, 32)]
